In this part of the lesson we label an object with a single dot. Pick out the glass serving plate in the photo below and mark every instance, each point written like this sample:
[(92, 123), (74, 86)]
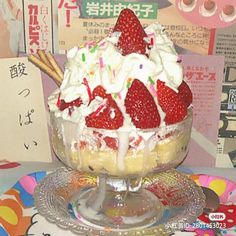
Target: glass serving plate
[(182, 201)]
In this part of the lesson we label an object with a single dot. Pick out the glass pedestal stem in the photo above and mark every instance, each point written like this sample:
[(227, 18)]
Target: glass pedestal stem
[(118, 203)]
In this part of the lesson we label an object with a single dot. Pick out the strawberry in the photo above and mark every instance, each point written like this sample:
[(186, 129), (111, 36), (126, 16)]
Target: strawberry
[(101, 92), (111, 142), (171, 103), (185, 93), (132, 35), (141, 107), (108, 116), (62, 105)]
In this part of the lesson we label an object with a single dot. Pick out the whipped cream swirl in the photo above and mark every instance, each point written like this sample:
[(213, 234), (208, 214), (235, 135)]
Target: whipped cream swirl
[(103, 64)]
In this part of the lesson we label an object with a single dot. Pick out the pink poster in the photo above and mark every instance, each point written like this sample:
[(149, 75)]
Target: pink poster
[(204, 74), (208, 13)]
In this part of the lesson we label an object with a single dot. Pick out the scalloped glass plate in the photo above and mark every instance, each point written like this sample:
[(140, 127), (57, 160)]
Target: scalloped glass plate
[(183, 202)]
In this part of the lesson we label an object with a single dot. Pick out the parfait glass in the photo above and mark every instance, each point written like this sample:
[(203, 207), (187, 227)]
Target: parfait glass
[(120, 159)]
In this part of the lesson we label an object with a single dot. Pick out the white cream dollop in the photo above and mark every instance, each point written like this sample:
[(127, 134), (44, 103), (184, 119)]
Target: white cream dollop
[(103, 64)]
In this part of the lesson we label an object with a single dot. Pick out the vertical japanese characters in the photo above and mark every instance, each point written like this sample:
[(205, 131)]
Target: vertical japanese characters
[(25, 118), (23, 121), (38, 28)]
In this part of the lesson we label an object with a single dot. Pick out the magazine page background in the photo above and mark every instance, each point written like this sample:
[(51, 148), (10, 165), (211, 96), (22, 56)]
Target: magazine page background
[(225, 45), (86, 20), (204, 74)]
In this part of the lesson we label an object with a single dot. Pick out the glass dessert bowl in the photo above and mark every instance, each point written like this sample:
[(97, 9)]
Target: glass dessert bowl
[(119, 159), (122, 114)]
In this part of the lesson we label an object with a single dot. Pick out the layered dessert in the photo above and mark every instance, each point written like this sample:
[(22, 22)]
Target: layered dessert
[(123, 107)]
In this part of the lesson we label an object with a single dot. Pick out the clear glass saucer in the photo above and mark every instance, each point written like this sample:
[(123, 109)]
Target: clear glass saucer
[(182, 199)]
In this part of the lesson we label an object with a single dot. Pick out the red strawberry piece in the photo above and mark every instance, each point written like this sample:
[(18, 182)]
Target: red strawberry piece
[(171, 103), (141, 107), (134, 142), (82, 144), (62, 105), (132, 35), (108, 116), (185, 93), (111, 142), (138, 141), (101, 92)]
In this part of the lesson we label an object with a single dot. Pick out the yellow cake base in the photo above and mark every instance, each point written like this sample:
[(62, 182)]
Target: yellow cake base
[(167, 153)]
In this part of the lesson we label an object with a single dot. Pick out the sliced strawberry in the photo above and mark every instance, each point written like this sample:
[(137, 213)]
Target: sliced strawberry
[(108, 116), (137, 141), (111, 142), (101, 92), (141, 106), (185, 93), (132, 35), (62, 105), (171, 103), (82, 144)]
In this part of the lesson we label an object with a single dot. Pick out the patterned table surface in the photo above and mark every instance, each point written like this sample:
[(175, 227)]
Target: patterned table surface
[(18, 216)]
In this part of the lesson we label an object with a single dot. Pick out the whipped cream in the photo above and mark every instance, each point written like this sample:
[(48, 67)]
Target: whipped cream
[(102, 64)]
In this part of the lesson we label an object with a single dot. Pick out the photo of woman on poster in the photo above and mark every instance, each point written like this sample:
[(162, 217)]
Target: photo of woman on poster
[(11, 27)]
